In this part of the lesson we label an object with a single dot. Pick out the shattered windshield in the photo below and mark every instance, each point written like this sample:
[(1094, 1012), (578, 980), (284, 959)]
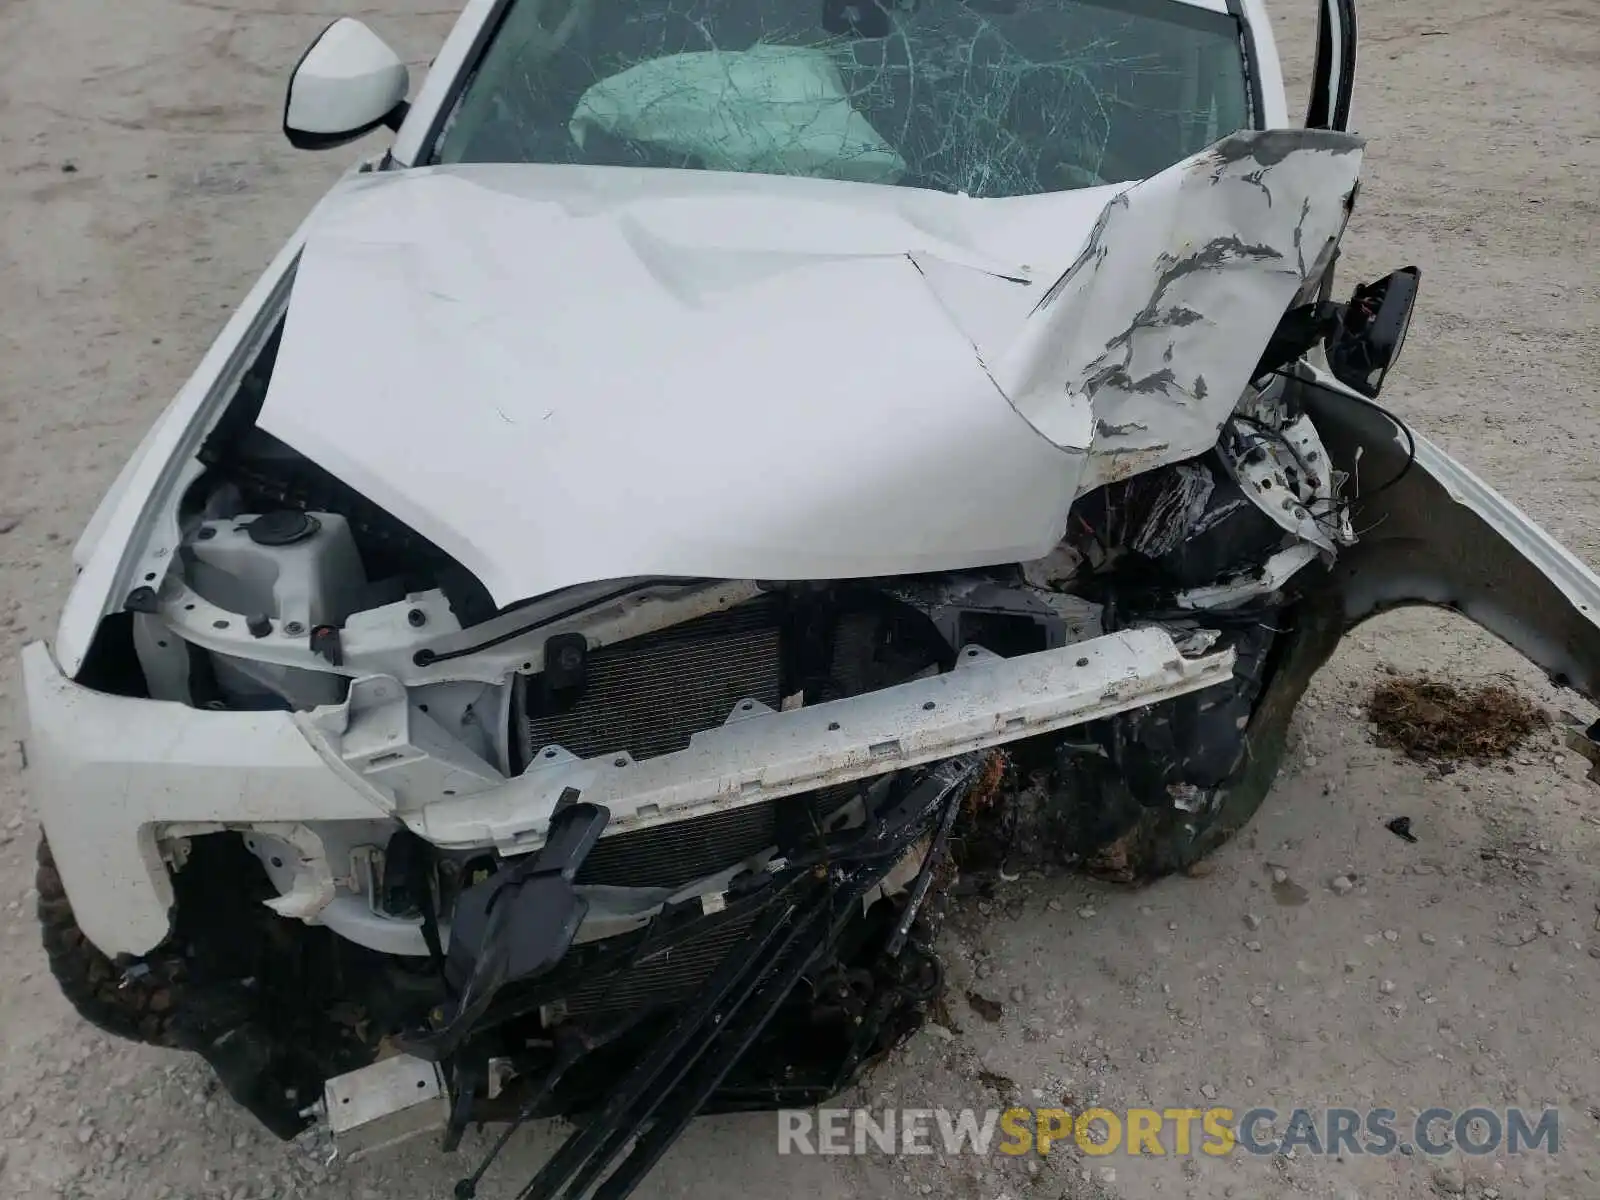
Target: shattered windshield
[(983, 97)]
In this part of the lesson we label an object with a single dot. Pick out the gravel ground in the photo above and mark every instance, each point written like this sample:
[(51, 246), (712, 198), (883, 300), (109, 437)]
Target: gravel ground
[(143, 183)]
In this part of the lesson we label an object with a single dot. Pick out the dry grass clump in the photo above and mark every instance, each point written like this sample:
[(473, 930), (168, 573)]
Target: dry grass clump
[(1442, 723)]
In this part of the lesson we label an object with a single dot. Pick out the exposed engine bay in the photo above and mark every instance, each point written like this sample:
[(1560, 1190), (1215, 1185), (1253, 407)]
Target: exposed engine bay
[(627, 565), (533, 978), (406, 840)]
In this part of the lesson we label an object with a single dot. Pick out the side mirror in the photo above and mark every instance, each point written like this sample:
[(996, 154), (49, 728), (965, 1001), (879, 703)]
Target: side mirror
[(1372, 330), (346, 84)]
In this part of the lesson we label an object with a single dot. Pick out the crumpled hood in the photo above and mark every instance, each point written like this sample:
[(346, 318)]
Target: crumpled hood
[(565, 374)]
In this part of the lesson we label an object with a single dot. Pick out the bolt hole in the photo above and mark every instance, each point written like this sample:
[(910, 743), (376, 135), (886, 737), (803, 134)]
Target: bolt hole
[(833, 726), (527, 666), (422, 708), (219, 624), (345, 1100), (972, 653), (277, 862), (188, 608), (1083, 662), (422, 1083), (449, 791), (745, 706), (149, 576), (549, 753), (163, 645), (928, 707), (619, 762)]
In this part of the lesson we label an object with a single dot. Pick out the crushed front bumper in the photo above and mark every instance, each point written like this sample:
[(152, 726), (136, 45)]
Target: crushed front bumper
[(110, 775)]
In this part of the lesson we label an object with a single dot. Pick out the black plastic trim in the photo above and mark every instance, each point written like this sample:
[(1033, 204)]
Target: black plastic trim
[(1247, 45)]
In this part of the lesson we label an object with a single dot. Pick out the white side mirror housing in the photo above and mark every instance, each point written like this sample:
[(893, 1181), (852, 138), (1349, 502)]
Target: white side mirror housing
[(346, 84)]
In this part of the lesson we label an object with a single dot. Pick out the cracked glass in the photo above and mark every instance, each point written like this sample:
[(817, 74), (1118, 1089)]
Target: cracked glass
[(984, 97)]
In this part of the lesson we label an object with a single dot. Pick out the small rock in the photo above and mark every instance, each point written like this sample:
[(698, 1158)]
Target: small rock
[(1279, 875), (1547, 928), (85, 1135), (1053, 905), (1209, 1092), (9, 521), (1386, 987), (1172, 925), (1427, 939), (1252, 921), (1391, 935), (1258, 1001), (1018, 994), (1252, 945), (1449, 1179), (1343, 885), (1086, 911)]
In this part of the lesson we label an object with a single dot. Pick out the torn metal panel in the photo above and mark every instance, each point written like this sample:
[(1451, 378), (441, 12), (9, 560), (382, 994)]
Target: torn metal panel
[(825, 352), (1286, 473), (1436, 534), (1177, 512), (1269, 578), (595, 375), (986, 701), (1141, 349)]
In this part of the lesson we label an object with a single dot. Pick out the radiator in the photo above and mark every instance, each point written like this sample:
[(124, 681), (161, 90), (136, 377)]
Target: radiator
[(646, 696), (665, 978)]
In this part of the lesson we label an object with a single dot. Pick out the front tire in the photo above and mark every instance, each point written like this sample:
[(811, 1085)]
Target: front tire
[(139, 1009)]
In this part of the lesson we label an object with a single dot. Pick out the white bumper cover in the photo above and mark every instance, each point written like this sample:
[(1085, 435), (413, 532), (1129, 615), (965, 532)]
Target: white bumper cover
[(109, 773)]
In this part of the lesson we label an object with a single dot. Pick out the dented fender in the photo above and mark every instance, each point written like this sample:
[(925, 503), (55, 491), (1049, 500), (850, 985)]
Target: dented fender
[(1438, 535)]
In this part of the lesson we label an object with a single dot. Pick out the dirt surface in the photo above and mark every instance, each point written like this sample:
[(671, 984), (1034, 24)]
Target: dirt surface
[(143, 184)]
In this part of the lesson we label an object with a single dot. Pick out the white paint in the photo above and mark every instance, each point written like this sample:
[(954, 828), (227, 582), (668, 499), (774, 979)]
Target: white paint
[(457, 57), (1267, 67), (133, 532), (348, 81), (168, 764), (1152, 336), (106, 770), (589, 373), (986, 701), (758, 377), (1272, 575)]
